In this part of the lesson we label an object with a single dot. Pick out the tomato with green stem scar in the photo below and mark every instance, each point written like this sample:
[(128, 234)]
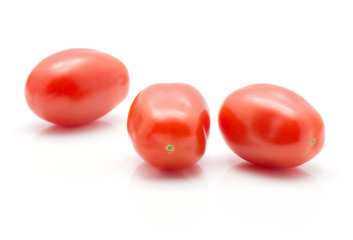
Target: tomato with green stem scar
[(169, 125), (271, 126)]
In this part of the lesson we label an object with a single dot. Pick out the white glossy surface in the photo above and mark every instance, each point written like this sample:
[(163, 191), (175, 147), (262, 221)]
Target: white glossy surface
[(88, 183)]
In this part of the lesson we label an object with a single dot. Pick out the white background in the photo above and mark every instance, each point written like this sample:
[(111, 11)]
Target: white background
[(88, 182)]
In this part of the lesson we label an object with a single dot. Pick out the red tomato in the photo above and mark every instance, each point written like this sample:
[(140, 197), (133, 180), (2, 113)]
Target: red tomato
[(76, 86), (169, 125), (271, 126)]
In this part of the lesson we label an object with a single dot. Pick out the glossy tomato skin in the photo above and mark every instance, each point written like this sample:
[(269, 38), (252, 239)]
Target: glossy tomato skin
[(169, 125), (271, 126), (76, 86)]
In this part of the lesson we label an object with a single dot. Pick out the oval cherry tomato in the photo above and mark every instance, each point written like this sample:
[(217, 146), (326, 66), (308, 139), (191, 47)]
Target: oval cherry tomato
[(271, 126), (169, 125), (76, 86)]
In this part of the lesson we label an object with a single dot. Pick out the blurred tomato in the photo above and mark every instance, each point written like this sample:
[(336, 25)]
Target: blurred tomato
[(169, 125), (76, 86), (271, 126)]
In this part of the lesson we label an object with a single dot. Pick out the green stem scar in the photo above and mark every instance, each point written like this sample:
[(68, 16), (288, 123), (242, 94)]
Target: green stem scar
[(169, 148), (313, 141)]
